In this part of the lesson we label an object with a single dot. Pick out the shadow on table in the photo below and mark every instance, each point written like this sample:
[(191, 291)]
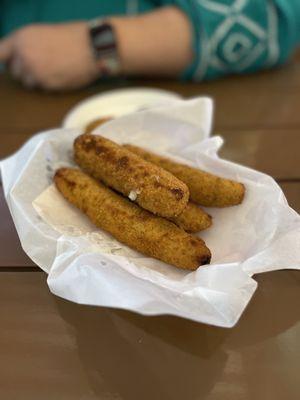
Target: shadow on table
[(134, 357), (129, 356)]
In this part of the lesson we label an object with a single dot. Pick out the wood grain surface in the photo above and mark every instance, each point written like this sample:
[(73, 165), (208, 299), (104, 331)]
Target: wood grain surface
[(55, 349)]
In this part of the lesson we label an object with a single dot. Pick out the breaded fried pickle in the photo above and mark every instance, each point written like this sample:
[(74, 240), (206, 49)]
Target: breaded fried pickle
[(205, 189), (95, 123), (193, 219), (130, 224), (150, 186)]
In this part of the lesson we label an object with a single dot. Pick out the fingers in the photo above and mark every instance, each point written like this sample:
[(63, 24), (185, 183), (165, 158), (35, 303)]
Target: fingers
[(6, 49), (15, 63), (21, 73), (16, 67), (29, 81)]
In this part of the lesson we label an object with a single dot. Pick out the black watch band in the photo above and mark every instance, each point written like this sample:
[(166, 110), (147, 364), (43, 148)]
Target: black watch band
[(104, 44)]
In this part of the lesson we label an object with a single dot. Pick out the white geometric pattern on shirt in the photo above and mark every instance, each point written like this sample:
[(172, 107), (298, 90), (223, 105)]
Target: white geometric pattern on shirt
[(247, 53)]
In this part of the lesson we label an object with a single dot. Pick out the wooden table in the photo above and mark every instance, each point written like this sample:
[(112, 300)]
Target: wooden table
[(53, 349)]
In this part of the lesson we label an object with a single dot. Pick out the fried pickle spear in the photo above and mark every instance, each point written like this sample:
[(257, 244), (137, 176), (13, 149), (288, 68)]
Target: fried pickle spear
[(150, 186), (205, 189), (95, 123), (130, 224), (193, 219)]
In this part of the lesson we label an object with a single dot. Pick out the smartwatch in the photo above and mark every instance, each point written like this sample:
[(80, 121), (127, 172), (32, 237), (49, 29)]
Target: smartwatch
[(104, 44)]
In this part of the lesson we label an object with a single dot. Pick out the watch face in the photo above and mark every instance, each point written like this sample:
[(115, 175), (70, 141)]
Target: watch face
[(105, 48), (103, 39)]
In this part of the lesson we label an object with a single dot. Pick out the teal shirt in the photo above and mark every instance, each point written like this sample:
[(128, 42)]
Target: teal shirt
[(240, 36)]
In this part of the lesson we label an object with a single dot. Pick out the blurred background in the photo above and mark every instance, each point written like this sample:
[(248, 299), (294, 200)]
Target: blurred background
[(65, 45)]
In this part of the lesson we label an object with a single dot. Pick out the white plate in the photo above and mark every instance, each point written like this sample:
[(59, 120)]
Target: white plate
[(114, 104)]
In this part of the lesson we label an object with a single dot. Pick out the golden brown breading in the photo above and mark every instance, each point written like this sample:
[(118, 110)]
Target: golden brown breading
[(205, 189), (95, 123), (193, 219), (150, 186), (130, 224)]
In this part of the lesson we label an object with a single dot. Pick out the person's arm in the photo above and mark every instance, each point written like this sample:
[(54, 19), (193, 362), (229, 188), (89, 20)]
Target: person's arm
[(61, 57), (156, 43)]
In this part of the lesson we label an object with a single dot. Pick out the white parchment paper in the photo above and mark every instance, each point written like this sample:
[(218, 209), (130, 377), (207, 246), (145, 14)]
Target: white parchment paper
[(88, 266)]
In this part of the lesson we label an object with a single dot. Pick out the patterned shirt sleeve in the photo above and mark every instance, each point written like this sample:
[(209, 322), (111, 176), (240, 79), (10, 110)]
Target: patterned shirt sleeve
[(240, 36)]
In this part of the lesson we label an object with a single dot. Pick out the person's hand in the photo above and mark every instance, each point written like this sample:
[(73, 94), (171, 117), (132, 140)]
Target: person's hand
[(50, 56)]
